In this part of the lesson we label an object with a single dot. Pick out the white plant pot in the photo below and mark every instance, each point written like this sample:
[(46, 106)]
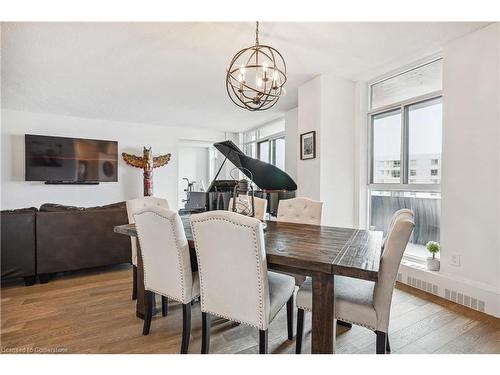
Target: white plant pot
[(433, 264)]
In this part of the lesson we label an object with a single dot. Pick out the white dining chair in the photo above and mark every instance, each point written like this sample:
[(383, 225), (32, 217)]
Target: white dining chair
[(302, 211), (361, 302), (167, 264), (234, 280), (391, 223), (132, 206), (242, 205)]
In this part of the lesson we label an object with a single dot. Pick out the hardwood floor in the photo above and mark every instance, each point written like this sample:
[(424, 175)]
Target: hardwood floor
[(92, 312)]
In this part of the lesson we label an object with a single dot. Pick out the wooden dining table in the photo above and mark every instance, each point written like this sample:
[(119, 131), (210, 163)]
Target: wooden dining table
[(311, 250)]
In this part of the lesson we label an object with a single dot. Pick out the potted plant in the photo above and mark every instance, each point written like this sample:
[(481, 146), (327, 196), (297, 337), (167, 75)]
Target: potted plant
[(433, 263)]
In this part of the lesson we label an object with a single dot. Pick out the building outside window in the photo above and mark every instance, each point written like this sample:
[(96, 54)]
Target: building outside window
[(405, 156), (266, 143)]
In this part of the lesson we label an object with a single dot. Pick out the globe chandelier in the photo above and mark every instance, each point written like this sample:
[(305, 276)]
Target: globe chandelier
[(256, 76)]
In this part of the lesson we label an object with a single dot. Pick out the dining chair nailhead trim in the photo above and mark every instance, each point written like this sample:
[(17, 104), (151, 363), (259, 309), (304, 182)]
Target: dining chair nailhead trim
[(343, 319), (169, 296), (259, 271)]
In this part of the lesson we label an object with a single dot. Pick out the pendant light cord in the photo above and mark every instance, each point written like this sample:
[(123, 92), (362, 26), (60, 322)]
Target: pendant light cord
[(257, 33)]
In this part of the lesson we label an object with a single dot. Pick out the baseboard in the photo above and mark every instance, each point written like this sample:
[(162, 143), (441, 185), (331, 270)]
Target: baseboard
[(459, 291)]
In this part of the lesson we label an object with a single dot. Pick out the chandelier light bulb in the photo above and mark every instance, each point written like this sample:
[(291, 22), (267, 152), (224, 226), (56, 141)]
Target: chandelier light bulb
[(259, 82), (242, 69), (264, 66)]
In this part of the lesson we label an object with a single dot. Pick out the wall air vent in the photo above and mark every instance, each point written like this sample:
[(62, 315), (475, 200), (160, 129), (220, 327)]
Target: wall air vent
[(465, 300), (422, 285)]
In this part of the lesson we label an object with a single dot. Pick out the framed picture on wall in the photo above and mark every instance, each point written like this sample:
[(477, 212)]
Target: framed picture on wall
[(308, 145)]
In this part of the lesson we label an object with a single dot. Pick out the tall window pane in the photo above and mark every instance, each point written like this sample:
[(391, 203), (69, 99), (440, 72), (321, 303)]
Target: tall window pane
[(279, 153), (387, 147), (263, 150), (250, 149), (425, 140)]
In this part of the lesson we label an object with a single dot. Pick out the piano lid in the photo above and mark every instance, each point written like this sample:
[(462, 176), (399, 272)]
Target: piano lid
[(266, 176)]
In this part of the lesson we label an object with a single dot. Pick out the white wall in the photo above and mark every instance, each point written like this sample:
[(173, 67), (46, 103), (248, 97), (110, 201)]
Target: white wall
[(131, 137), (470, 218), (337, 151), (291, 142), (309, 115), (326, 105)]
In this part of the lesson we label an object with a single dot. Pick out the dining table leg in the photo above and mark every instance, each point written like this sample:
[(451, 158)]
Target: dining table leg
[(323, 314)]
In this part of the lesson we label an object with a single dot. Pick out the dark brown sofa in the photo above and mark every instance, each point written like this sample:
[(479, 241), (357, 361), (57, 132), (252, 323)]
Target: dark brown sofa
[(73, 238), (18, 244)]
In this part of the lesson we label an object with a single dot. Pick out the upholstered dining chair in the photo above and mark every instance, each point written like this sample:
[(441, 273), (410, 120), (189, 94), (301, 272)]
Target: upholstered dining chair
[(234, 280), (391, 223), (167, 264), (259, 203), (362, 302), (132, 206), (303, 211), (300, 210)]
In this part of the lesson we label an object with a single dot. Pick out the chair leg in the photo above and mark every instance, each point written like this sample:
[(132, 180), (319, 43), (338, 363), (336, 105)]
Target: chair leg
[(186, 327), (300, 331), (164, 306), (205, 332), (262, 341), (387, 346), (381, 342), (148, 313), (134, 283), (289, 317)]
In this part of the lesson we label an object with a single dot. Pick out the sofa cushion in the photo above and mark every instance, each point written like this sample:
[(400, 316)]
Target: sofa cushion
[(53, 207), (18, 248)]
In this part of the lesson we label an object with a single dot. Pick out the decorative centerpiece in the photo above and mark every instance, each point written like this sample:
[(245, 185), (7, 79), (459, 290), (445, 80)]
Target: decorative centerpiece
[(433, 263)]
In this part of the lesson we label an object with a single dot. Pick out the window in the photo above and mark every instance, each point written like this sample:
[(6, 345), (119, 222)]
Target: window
[(263, 153), (386, 146), (405, 156), (425, 138), (278, 153), (427, 209), (412, 83), (266, 143)]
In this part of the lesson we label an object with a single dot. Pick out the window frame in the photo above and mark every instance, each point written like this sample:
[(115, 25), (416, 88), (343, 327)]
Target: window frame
[(258, 139), (405, 166)]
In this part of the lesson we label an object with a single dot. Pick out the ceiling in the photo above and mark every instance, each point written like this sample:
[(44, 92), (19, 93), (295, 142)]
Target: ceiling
[(174, 73)]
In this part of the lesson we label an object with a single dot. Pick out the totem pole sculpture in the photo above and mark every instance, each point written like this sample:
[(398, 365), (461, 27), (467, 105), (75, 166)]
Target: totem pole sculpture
[(147, 162)]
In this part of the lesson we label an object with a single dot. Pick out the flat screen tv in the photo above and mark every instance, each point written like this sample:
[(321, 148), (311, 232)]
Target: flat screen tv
[(70, 160)]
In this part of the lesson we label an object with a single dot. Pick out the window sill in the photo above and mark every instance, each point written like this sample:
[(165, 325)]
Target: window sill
[(417, 264)]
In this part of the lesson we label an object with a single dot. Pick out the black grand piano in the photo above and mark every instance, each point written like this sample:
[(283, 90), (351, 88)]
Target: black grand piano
[(273, 184)]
